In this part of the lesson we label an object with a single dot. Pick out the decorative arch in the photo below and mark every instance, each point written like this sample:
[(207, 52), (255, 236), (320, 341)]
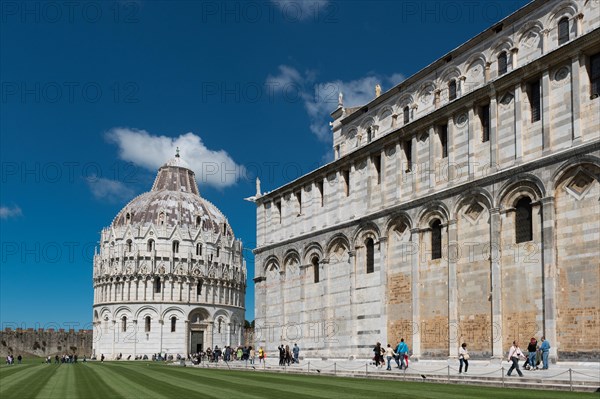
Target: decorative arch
[(503, 44), (122, 311), (385, 112), (427, 93), (223, 314), (364, 231), (559, 175), (435, 210), (198, 315), (478, 194), (338, 238), (146, 310), (397, 219), (565, 9), (519, 187), (452, 72), (532, 26), (291, 261), (403, 101), (313, 248), (171, 311)]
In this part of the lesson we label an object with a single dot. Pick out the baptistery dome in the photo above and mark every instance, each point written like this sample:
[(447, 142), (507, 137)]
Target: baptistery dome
[(169, 257)]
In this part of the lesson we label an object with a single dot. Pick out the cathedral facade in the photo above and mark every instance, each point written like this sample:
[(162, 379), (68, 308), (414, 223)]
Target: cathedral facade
[(169, 276), (462, 206)]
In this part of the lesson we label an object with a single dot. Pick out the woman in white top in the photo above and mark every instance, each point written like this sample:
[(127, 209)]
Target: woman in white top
[(514, 354), (463, 357), (389, 353)]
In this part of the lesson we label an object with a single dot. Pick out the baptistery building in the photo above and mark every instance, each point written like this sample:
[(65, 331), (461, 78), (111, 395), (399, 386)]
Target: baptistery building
[(169, 275), (462, 205)]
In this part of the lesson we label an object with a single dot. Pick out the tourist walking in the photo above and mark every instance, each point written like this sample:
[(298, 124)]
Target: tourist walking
[(377, 352), (401, 352), (532, 349), (296, 351), (389, 354), (261, 354), (545, 348), (463, 358), (514, 354), (252, 355)]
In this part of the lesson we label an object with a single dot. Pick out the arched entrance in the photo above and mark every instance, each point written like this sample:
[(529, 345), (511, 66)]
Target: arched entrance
[(199, 338)]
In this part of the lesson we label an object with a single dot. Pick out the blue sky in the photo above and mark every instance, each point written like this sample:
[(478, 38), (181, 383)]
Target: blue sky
[(243, 88)]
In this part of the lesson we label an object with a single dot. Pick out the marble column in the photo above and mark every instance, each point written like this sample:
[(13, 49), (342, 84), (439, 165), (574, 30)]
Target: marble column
[(496, 279), (452, 256), (549, 273)]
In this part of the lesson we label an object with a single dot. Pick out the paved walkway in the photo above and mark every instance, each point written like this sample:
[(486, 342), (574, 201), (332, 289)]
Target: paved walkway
[(577, 376)]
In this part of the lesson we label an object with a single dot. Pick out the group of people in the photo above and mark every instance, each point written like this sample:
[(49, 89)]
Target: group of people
[(399, 354), (287, 356), (66, 358), (535, 354), (245, 353), (10, 359)]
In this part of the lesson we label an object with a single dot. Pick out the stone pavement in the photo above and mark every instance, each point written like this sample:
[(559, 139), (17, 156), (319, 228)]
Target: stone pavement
[(576, 376)]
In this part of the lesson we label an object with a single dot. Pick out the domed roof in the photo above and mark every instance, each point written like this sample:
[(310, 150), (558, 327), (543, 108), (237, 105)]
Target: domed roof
[(174, 200)]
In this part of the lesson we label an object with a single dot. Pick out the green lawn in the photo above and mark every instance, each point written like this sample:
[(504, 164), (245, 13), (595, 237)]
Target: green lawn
[(151, 380)]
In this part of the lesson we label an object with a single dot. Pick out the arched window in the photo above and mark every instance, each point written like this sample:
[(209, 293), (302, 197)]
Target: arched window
[(173, 323), (127, 218), (129, 245), (150, 245), (315, 265), (452, 90), (219, 324), (502, 63), (218, 251), (199, 249), (370, 245), (124, 324), (369, 134), (198, 221), (563, 30), (161, 218), (406, 114), (147, 323), (523, 220), (436, 239), (157, 285), (199, 288), (175, 247)]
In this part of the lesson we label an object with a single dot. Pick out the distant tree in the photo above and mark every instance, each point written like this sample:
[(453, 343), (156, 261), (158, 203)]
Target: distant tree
[(246, 324)]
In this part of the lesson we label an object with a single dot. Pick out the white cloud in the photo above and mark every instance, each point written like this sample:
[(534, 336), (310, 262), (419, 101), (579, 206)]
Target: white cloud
[(321, 98), (10, 212), (301, 10), (212, 167), (110, 190)]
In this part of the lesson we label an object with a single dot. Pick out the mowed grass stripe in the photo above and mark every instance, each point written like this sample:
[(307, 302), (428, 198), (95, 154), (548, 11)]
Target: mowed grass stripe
[(35, 379), (195, 383), (7, 371), (91, 382), (126, 387), (265, 385), (241, 381), (62, 385)]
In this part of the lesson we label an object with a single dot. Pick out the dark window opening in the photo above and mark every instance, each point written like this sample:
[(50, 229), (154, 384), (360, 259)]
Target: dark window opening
[(315, 265), (563, 30), (452, 90), (320, 187), (369, 134), (124, 324), (406, 113), (129, 245), (147, 324), (370, 245), (377, 165), (173, 324), (407, 146), (502, 63), (523, 220), (595, 75), (436, 239), (157, 285), (346, 175), (199, 288), (299, 201), (443, 133), (484, 116), (198, 249), (278, 205), (535, 100), (198, 221), (175, 247), (150, 245)]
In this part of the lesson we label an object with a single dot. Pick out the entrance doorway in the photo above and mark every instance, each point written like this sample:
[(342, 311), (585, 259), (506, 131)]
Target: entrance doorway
[(197, 344)]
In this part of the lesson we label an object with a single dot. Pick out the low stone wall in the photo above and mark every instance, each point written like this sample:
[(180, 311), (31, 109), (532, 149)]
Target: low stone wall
[(42, 342)]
